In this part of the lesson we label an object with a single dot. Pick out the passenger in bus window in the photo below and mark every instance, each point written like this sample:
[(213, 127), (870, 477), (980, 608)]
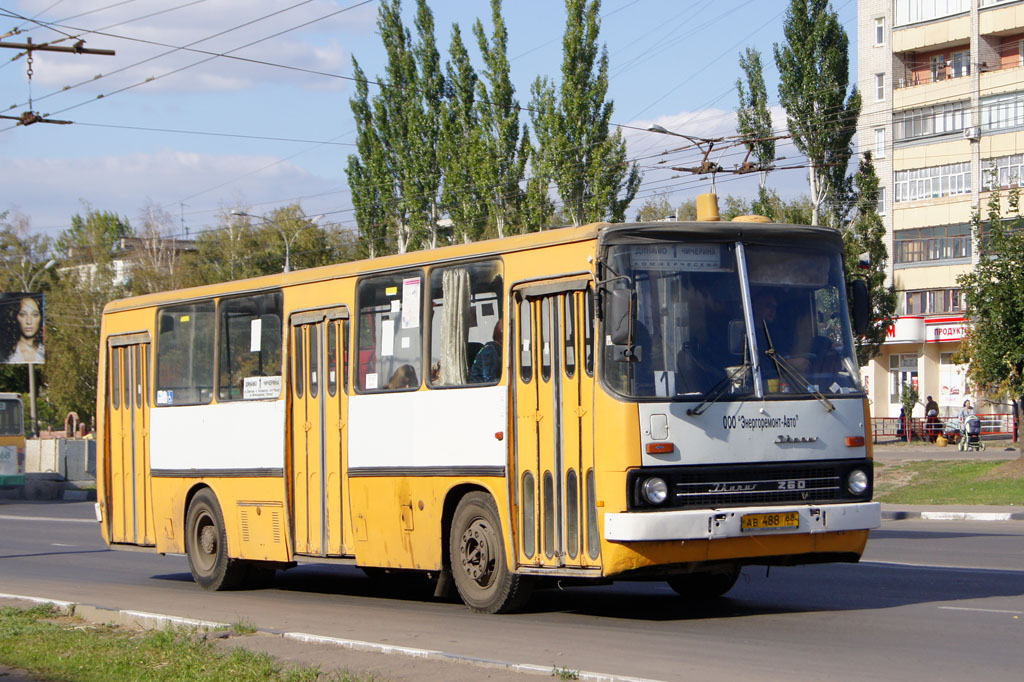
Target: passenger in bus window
[(487, 363), (404, 377)]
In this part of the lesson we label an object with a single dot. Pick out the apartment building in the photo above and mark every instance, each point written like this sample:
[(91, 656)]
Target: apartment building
[(943, 114)]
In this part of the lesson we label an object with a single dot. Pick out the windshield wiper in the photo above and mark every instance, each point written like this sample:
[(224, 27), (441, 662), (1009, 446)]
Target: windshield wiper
[(718, 390), (783, 365)]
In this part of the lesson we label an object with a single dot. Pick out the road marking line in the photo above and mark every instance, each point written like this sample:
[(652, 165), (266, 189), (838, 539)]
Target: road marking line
[(13, 517), (431, 654), (967, 516), (967, 608), (909, 565)]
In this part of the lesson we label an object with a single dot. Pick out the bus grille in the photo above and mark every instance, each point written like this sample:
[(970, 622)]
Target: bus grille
[(754, 484)]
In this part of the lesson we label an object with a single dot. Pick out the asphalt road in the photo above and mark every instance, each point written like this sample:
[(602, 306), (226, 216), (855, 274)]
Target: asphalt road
[(931, 601)]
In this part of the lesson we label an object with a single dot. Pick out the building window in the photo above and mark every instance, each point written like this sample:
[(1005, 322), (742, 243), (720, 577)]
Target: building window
[(1002, 172), (913, 11), (1002, 111), (944, 242), (902, 370), (933, 182), (879, 87), (881, 201), (933, 301), (879, 143), (880, 31), (938, 67), (961, 63), (1020, 53), (940, 119)]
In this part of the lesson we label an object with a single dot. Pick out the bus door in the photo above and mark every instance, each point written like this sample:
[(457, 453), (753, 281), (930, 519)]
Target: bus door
[(319, 384), (554, 424), (130, 489)]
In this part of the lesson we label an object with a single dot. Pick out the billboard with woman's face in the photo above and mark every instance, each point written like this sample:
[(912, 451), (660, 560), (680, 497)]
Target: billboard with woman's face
[(21, 328)]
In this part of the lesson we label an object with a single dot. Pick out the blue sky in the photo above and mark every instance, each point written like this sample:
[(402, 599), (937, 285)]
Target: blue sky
[(672, 62)]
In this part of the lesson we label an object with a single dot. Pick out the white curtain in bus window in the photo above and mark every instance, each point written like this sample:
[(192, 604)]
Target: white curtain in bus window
[(466, 324), (21, 328), (250, 348), (454, 326), (184, 363), (389, 339)]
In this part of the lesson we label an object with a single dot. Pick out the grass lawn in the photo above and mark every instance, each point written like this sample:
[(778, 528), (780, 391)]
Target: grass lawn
[(950, 482), (56, 647)]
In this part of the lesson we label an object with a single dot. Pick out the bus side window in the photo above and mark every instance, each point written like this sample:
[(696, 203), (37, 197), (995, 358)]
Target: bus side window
[(588, 330), (390, 341), (250, 347), (466, 324), (115, 378), (525, 334), (184, 359)]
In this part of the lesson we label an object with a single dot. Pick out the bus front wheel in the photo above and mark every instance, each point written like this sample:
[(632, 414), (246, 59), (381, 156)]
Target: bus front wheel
[(206, 545), (704, 586), (477, 553)]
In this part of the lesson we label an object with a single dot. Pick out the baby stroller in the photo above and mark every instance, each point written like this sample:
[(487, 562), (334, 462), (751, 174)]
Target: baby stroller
[(971, 434)]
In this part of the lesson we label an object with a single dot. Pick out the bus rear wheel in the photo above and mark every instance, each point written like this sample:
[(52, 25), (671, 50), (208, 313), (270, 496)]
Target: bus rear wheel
[(477, 554), (704, 586), (206, 545)]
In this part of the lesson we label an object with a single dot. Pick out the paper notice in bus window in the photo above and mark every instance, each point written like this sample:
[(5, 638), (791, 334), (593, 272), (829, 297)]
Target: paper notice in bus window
[(391, 291), (396, 306), (371, 380), (665, 384), (678, 257), (165, 397), (411, 303), (256, 388), (255, 334), (387, 338)]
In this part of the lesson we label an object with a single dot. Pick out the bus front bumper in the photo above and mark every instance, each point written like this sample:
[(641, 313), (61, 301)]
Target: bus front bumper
[(712, 524)]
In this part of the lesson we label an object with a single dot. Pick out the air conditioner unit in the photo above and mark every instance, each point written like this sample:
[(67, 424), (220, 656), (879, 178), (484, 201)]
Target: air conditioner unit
[(972, 133)]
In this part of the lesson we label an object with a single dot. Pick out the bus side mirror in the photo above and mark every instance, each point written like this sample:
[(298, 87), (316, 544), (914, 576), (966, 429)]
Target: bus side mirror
[(618, 320), (861, 306)]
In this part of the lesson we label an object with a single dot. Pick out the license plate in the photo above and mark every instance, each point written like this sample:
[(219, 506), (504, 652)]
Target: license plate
[(773, 521)]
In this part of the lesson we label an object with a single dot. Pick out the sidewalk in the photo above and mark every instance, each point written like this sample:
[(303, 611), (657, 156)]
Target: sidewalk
[(898, 452)]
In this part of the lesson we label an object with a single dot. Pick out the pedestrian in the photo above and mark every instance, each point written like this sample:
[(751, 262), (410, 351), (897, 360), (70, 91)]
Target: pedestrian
[(966, 411), (931, 411)]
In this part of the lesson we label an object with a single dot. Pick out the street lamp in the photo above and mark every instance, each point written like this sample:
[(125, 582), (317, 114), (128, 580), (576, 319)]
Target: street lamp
[(32, 280), (655, 128), (287, 240)]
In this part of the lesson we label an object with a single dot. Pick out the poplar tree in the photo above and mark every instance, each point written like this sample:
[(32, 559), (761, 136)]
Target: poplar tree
[(461, 147), (575, 150), (505, 147), (754, 118), (821, 115), (368, 176), (866, 235)]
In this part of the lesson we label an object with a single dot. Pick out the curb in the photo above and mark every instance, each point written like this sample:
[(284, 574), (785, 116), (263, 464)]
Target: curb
[(156, 621), (901, 515)]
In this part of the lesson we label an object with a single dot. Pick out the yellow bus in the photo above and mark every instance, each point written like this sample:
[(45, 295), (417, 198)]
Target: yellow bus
[(12, 441), (667, 401)]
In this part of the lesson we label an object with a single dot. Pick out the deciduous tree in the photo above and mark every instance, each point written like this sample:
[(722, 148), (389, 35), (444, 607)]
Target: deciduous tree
[(994, 346), (821, 109), (575, 149)]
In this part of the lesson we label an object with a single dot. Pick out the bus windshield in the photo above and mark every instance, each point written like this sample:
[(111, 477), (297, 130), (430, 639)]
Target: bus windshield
[(691, 334), (10, 418)]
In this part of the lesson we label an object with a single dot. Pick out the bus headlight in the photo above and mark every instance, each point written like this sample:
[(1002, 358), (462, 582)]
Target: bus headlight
[(857, 482), (654, 490)]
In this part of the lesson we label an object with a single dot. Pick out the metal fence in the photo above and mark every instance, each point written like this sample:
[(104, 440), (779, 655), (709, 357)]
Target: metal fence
[(991, 425)]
